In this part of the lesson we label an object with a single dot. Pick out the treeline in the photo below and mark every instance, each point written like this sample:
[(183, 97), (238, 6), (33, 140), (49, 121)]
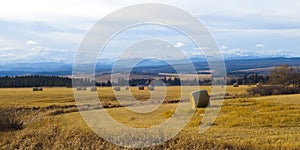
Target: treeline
[(176, 81), (170, 81), (285, 76), (38, 81), (144, 81), (249, 79), (284, 79), (56, 81)]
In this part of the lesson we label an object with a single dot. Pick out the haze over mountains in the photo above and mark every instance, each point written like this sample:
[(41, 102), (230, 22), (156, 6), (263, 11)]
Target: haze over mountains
[(240, 64)]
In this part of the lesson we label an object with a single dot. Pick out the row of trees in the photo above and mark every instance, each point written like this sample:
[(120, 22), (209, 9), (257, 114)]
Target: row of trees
[(282, 75), (170, 81), (249, 79), (283, 80), (37, 81), (175, 81), (56, 81), (285, 76), (136, 82)]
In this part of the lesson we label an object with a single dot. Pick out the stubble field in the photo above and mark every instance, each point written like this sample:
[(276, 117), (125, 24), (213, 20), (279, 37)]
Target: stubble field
[(51, 120)]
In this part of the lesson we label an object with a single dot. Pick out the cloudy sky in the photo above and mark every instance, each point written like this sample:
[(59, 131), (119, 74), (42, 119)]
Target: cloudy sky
[(40, 30)]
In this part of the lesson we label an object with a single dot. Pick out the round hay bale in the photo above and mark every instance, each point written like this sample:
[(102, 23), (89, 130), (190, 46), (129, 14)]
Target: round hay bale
[(127, 88), (93, 89), (235, 85), (141, 87), (81, 88), (35, 89), (151, 88), (199, 99), (258, 84), (117, 88)]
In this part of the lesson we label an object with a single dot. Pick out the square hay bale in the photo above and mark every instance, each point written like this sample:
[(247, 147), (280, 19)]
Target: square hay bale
[(117, 88), (199, 99)]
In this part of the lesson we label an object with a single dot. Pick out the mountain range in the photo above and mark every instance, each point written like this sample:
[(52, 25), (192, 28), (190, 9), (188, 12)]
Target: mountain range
[(144, 66)]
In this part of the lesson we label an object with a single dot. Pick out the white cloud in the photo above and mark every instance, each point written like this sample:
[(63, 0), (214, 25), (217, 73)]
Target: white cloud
[(60, 25), (30, 42), (179, 44), (35, 54), (197, 53), (224, 47), (63, 15), (259, 46)]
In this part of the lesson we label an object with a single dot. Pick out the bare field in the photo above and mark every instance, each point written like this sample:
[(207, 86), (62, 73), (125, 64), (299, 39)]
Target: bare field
[(52, 121)]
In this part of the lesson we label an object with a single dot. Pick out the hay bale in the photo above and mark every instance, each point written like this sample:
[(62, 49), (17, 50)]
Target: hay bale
[(235, 85), (81, 88), (127, 88), (37, 89), (199, 99), (93, 89), (117, 88), (258, 84), (151, 88), (141, 87)]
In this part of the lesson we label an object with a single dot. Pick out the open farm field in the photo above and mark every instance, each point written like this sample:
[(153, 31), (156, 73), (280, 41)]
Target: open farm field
[(50, 120)]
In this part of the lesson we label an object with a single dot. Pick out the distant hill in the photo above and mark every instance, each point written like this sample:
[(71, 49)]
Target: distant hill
[(149, 66), (237, 66)]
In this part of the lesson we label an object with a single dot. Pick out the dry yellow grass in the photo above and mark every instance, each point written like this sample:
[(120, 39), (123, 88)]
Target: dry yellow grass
[(271, 122)]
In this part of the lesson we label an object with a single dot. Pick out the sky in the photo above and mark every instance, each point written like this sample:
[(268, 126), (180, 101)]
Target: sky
[(46, 31)]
